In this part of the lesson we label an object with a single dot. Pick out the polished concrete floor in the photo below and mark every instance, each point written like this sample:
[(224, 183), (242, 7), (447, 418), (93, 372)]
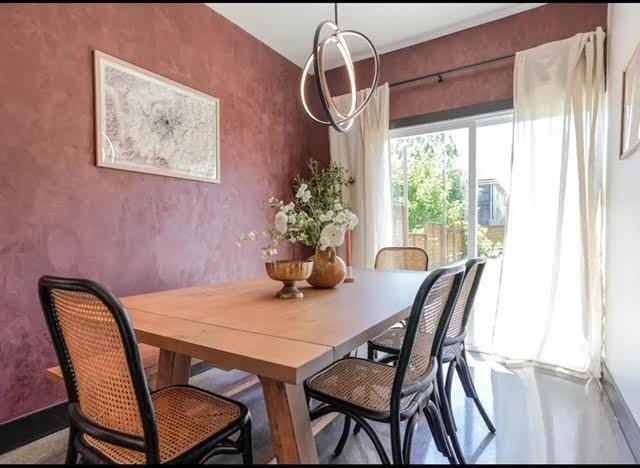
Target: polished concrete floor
[(540, 418)]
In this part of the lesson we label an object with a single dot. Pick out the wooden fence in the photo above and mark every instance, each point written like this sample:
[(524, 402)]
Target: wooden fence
[(432, 240)]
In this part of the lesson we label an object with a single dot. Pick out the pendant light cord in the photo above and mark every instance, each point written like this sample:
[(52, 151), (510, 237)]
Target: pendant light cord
[(335, 12)]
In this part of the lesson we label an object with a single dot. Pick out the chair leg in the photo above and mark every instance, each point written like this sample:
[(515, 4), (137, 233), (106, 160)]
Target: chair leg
[(470, 389), (433, 413), (371, 353), (447, 416), (408, 438), (435, 432), (396, 440), (384, 458), (343, 438), (72, 452), (450, 372), (247, 444)]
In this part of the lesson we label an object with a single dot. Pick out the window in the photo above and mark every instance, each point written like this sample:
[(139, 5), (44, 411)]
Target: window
[(438, 171)]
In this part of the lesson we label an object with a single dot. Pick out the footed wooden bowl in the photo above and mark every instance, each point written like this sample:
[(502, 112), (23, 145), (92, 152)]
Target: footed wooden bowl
[(289, 271)]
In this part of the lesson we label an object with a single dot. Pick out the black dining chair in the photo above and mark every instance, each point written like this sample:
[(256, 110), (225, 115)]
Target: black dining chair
[(453, 352), (114, 418), (363, 389)]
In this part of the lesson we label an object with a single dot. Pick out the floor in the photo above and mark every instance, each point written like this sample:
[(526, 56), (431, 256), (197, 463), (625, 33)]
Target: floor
[(540, 418)]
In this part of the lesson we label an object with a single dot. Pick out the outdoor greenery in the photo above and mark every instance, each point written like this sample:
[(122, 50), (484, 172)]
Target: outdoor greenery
[(436, 186)]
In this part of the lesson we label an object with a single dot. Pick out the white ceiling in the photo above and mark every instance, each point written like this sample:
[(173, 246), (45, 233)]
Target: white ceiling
[(288, 28)]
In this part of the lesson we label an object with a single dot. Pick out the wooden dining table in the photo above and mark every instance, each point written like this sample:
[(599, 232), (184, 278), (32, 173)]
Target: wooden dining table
[(242, 325)]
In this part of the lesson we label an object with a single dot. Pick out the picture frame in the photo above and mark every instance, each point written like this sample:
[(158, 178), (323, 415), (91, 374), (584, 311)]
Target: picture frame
[(630, 125), (147, 123)]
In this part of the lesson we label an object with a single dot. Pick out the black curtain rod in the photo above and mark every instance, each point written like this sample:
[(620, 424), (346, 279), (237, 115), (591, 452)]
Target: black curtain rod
[(442, 73)]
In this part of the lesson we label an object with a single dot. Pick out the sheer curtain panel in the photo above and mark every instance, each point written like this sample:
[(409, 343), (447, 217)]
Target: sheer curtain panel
[(550, 305), (365, 152)]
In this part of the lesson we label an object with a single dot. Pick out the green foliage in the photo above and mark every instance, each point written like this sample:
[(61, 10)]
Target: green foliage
[(325, 186), (432, 180), (436, 186)]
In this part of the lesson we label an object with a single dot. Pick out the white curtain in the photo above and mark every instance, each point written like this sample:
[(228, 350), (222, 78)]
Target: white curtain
[(364, 150), (550, 305)]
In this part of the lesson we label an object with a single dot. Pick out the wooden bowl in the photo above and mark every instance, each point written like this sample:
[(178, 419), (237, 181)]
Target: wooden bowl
[(289, 271)]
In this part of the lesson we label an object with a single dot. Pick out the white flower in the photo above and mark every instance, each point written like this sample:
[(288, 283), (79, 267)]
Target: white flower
[(288, 207), (341, 218), (301, 191), (306, 196), (251, 235), (337, 206), (281, 222), (331, 236), (328, 216), (291, 218), (269, 251), (272, 199), (352, 220)]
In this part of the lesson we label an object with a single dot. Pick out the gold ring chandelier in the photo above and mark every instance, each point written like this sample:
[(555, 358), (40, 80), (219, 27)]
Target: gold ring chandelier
[(341, 121)]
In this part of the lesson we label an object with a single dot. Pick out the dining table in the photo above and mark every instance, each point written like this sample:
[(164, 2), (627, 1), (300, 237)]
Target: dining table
[(242, 325)]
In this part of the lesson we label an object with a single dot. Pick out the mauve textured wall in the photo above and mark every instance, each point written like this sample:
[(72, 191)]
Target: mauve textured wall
[(477, 85), (60, 214)]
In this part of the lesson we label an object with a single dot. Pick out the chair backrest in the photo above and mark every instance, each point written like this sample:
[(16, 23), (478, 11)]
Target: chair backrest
[(426, 328), (108, 394), (402, 258), (460, 316)]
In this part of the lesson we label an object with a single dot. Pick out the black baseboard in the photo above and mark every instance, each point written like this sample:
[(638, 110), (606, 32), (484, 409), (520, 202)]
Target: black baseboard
[(21, 431), (623, 414), (26, 429)]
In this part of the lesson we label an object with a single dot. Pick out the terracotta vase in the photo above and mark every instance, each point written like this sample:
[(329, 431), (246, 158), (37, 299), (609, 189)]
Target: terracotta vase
[(329, 270)]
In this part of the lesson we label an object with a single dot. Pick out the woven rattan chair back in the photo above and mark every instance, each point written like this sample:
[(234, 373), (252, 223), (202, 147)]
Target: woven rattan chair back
[(98, 355), (460, 315), (402, 258), (426, 328)]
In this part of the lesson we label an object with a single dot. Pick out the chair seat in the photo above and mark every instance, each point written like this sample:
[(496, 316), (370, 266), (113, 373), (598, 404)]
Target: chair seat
[(357, 382), (186, 417), (391, 342)]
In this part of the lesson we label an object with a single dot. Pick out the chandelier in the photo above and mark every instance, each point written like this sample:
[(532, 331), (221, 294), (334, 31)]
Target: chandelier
[(341, 121)]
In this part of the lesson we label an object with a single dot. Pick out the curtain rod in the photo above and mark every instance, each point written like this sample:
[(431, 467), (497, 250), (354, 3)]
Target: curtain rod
[(442, 73)]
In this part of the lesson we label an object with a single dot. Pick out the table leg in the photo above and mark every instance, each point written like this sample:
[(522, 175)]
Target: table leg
[(289, 422), (173, 369)]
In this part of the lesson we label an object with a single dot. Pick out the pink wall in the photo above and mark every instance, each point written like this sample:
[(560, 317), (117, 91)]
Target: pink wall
[(477, 85), (60, 214)]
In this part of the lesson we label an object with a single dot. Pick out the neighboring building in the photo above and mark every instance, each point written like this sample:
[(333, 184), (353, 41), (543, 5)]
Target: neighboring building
[(492, 203)]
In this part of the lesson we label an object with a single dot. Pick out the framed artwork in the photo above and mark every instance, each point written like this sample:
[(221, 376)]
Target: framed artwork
[(148, 123), (630, 133)]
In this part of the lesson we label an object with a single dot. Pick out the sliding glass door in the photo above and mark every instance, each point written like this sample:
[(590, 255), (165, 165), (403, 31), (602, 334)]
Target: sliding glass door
[(439, 171)]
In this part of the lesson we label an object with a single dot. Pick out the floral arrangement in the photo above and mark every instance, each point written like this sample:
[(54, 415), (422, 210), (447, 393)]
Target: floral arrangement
[(317, 217)]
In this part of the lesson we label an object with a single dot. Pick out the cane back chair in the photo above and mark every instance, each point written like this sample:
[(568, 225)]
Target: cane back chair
[(362, 389), (113, 416), (402, 258), (453, 352)]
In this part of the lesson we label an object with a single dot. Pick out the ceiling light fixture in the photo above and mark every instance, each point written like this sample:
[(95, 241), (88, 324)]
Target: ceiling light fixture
[(342, 122)]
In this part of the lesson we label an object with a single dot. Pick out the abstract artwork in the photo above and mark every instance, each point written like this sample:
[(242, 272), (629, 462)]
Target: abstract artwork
[(147, 123), (630, 138)]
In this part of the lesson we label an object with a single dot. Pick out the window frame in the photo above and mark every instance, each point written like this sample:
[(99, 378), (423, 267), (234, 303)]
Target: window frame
[(471, 123)]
